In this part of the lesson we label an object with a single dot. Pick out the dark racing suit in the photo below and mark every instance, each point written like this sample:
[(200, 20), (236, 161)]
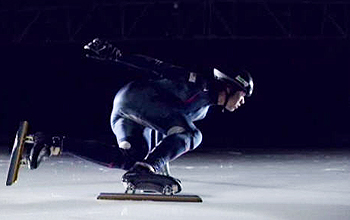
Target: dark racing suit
[(169, 104)]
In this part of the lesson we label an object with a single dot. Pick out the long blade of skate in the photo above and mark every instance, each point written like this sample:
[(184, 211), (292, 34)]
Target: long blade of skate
[(149, 197)]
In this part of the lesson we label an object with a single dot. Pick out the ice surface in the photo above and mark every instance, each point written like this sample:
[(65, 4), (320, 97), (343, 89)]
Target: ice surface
[(233, 185)]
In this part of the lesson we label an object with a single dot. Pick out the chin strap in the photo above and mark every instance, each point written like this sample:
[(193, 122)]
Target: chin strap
[(226, 101)]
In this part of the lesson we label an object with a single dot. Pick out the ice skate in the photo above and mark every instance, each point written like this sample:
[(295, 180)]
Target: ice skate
[(30, 149), (43, 147), (142, 178), (101, 50), (143, 184)]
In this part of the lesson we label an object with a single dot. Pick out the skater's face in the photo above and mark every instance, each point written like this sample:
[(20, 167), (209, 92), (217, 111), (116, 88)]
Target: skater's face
[(234, 101)]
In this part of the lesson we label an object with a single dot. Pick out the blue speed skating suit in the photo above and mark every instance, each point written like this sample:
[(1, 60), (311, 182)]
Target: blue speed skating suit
[(168, 103)]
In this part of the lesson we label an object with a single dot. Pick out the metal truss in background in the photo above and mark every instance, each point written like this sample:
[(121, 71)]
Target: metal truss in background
[(73, 21)]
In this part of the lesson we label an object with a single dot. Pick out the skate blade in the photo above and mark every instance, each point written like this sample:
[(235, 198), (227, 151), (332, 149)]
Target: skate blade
[(149, 197)]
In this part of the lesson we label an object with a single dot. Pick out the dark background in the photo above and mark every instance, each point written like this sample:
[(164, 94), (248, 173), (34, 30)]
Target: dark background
[(301, 97)]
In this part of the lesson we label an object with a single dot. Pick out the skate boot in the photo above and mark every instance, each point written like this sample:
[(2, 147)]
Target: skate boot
[(142, 177), (101, 50), (43, 147)]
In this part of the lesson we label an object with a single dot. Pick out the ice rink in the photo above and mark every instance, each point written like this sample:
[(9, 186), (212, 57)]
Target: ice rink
[(233, 185)]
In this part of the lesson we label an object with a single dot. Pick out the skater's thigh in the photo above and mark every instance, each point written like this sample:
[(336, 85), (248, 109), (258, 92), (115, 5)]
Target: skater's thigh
[(150, 106)]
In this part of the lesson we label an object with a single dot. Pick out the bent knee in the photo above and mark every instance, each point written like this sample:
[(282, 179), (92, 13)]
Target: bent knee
[(192, 138), (197, 139)]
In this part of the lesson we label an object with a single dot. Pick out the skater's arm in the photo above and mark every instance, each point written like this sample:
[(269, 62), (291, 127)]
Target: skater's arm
[(162, 69), (105, 51)]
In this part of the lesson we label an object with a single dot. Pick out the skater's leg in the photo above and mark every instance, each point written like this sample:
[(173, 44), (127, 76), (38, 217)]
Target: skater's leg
[(97, 152), (180, 139), (133, 142), (132, 146)]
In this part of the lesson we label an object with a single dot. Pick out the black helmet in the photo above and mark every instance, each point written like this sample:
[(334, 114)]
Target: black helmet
[(242, 81)]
